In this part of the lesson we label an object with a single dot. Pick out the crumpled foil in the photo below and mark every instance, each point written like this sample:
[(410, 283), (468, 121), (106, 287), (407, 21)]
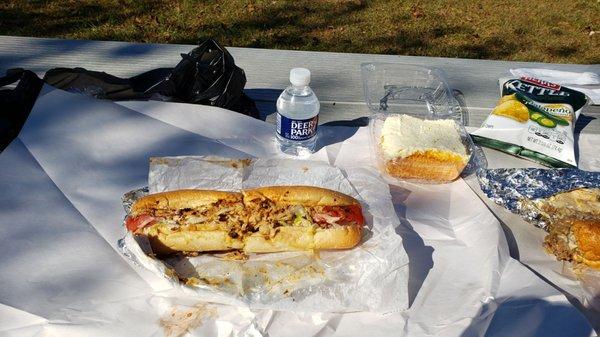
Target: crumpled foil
[(515, 188), (130, 197)]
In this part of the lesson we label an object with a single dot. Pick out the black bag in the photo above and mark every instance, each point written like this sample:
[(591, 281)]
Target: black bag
[(16, 103), (207, 75)]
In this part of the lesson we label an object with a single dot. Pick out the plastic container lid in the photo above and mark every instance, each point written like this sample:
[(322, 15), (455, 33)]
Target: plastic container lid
[(410, 89), (300, 77)]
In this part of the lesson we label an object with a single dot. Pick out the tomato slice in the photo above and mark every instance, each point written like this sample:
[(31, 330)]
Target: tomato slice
[(354, 213), (351, 213), (134, 223), (334, 211), (326, 218)]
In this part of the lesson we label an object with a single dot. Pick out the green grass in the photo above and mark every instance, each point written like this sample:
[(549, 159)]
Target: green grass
[(560, 31)]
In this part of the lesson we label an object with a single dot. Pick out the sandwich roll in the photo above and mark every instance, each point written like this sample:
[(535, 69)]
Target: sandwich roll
[(262, 220), (576, 240), (586, 237)]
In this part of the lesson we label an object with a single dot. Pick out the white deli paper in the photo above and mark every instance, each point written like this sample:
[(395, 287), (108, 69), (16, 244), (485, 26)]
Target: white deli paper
[(65, 276), (371, 277)]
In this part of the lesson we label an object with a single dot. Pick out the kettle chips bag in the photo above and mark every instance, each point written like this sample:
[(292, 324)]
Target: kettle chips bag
[(534, 119)]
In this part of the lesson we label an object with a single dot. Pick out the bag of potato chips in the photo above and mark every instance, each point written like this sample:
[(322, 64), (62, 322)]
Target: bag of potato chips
[(534, 119)]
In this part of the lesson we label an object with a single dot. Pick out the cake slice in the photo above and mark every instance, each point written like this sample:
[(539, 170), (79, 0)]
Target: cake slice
[(431, 150)]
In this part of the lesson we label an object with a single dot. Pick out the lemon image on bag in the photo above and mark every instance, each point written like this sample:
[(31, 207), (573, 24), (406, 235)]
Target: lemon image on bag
[(510, 107)]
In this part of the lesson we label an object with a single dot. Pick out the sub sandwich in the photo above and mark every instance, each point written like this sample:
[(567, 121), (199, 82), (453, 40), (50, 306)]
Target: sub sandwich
[(262, 220), (575, 240), (573, 226)]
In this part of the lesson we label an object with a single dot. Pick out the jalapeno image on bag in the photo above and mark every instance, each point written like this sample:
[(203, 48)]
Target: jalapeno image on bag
[(531, 105), (535, 116), (546, 122)]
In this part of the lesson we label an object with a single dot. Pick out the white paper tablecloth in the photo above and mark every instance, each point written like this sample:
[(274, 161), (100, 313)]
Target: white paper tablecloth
[(60, 220)]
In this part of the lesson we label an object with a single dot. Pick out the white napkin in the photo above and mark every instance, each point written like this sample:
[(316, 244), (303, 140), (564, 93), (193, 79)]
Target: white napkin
[(567, 78)]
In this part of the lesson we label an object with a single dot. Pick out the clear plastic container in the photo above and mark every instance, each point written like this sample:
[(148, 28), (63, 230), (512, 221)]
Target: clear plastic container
[(393, 89), (409, 89)]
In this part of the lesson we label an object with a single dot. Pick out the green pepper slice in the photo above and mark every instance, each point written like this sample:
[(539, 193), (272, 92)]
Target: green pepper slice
[(535, 116), (546, 122)]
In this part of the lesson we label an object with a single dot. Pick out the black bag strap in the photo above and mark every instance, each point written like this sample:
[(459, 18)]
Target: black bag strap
[(206, 75), (16, 103), (12, 76)]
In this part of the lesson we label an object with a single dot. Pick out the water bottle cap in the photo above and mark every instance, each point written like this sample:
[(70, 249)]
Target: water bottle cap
[(300, 77)]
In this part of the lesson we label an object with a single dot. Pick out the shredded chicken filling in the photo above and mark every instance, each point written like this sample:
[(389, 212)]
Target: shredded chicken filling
[(222, 215), (258, 216), (266, 215)]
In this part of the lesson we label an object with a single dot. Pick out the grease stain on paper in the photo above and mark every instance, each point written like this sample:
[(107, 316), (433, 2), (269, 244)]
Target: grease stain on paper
[(177, 322)]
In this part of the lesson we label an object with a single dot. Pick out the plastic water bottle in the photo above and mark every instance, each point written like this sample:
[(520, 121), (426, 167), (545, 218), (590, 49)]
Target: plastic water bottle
[(298, 115)]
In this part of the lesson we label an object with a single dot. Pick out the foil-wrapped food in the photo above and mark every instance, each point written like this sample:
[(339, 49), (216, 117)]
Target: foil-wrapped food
[(564, 202)]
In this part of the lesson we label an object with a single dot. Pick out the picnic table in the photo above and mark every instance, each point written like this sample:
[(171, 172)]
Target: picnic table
[(335, 76), (335, 79)]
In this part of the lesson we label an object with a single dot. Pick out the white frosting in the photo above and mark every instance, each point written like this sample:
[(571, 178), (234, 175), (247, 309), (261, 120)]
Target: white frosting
[(403, 135)]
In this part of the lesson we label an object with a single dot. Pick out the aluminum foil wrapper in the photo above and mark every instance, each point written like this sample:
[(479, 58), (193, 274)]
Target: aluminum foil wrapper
[(130, 197), (517, 188)]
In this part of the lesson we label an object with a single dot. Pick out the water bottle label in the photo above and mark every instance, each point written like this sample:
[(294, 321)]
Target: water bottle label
[(297, 129)]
